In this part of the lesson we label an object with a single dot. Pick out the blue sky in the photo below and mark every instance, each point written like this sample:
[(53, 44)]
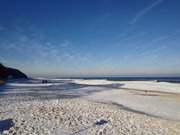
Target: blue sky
[(91, 37)]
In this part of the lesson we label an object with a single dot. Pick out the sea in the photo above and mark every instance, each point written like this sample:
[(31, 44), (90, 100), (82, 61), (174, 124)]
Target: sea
[(58, 87)]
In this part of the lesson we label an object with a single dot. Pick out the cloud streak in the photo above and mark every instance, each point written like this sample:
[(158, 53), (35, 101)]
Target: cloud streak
[(144, 11)]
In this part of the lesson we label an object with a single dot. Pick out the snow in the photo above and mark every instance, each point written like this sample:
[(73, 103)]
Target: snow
[(139, 85), (79, 116), (159, 99), (152, 86), (126, 107)]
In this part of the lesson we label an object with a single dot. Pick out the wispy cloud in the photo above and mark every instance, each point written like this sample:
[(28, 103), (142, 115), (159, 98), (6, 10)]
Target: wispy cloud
[(144, 11), (22, 47), (132, 27), (65, 43), (157, 46)]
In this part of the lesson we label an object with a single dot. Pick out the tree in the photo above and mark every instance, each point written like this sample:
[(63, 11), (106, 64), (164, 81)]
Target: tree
[(1, 65)]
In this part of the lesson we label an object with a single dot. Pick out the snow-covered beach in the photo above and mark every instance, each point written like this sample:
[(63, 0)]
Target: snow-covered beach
[(77, 106)]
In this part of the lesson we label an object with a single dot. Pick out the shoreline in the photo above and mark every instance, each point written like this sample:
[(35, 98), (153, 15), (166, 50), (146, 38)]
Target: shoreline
[(73, 107)]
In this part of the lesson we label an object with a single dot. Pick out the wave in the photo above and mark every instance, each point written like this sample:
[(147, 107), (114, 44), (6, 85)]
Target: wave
[(53, 79), (33, 85)]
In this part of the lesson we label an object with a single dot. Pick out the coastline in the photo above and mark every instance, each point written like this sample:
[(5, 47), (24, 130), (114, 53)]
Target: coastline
[(44, 109)]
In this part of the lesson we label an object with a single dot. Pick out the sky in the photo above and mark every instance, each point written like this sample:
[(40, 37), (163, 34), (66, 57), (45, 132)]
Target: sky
[(91, 37)]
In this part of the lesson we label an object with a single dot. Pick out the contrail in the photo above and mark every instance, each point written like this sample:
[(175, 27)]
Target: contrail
[(141, 13)]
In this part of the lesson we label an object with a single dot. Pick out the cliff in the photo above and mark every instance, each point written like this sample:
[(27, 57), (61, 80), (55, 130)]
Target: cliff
[(10, 73)]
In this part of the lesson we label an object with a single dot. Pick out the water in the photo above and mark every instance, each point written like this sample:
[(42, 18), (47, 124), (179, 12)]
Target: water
[(34, 89), (160, 79), (68, 85)]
